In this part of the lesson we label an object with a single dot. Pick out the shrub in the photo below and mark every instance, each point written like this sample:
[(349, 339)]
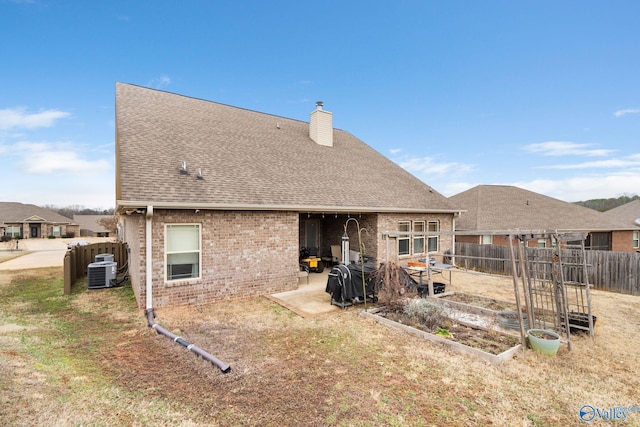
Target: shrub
[(392, 282), (426, 313)]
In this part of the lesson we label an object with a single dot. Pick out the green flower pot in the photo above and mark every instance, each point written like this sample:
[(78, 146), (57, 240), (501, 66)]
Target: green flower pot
[(544, 341)]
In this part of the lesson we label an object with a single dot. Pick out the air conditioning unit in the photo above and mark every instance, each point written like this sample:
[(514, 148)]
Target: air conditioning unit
[(100, 274), (104, 257)]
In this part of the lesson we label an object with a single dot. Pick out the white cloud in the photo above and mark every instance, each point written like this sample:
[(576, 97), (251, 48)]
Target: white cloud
[(395, 151), (631, 162), (18, 118), (426, 167), (586, 187), (160, 82), (626, 111), (47, 158), (565, 148)]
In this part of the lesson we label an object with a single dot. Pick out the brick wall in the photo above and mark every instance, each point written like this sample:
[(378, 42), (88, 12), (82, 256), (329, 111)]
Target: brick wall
[(622, 241), (243, 254)]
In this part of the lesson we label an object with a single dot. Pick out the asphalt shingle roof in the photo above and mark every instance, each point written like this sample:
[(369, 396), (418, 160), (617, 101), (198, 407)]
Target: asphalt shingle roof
[(502, 207), (249, 160), (11, 212), (629, 213), (91, 222)]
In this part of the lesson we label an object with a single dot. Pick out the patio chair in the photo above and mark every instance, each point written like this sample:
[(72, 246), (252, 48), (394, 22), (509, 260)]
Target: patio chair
[(334, 258), (304, 272)]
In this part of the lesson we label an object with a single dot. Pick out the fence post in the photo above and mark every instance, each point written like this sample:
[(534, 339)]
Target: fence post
[(67, 274)]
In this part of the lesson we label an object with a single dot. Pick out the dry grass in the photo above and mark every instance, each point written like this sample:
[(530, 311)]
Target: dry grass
[(90, 359), (7, 255)]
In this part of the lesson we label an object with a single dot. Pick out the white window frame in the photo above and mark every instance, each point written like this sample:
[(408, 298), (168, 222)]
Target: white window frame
[(403, 227), (486, 239), (542, 243), (636, 239), (56, 230), (186, 251), (418, 227), (12, 230), (436, 238)]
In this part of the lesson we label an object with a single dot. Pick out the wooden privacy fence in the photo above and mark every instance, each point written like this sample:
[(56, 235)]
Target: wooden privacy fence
[(78, 258), (607, 270)]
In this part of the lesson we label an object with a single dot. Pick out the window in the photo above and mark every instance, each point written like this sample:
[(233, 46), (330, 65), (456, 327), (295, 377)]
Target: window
[(434, 226), (56, 230), (418, 240), (413, 237), (542, 243), (486, 239), (182, 249), (12, 230), (636, 239), (403, 240)]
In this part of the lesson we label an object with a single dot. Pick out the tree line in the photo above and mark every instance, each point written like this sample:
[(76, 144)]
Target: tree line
[(606, 204)]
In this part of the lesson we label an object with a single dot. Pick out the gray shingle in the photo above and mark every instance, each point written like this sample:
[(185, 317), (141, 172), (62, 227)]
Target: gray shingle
[(247, 161), (502, 207), (12, 212), (629, 213)]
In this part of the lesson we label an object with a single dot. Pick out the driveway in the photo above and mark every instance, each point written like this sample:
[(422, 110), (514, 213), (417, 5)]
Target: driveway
[(42, 253)]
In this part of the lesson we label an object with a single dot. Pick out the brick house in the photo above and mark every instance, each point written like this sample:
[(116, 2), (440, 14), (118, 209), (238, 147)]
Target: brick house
[(215, 202), (91, 226), (491, 208), (25, 221), (629, 213)]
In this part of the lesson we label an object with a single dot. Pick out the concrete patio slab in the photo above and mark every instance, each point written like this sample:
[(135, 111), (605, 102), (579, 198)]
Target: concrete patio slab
[(308, 300)]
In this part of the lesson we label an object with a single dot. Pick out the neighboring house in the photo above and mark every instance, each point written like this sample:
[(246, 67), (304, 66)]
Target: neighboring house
[(629, 213), (18, 220), (216, 202), (495, 208), (90, 225)]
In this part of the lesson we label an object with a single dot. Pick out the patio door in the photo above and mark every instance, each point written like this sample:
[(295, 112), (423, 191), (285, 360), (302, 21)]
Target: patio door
[(311, 238)]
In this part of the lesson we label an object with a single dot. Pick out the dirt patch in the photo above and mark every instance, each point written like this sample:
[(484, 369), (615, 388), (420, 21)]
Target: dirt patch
[(488, 341), (480, 301)]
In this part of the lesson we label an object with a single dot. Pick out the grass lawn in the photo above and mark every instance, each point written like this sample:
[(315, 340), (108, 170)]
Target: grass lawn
[(90, 359)]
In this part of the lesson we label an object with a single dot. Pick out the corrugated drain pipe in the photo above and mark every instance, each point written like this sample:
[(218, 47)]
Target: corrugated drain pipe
[(149, 311)]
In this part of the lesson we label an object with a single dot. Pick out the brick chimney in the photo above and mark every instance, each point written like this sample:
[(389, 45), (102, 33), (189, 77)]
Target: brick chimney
[(321, 126)]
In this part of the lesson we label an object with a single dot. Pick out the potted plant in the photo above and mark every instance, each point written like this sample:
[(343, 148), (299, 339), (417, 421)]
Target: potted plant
[(544, 341)]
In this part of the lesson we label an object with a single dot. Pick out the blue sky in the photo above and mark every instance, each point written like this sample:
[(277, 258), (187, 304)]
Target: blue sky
[(544, 95)]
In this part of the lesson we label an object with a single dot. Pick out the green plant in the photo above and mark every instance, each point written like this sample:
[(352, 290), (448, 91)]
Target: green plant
[(443, 332)]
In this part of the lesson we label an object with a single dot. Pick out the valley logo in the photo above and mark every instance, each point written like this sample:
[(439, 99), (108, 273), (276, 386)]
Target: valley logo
[(589, 413)]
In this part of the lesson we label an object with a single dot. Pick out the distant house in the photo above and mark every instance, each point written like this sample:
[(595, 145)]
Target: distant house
[(492, 208), (19, 220), (90, 225), (629, 213), (216, 202)]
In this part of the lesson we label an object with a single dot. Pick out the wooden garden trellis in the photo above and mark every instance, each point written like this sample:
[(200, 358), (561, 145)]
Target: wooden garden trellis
[(556, 288)]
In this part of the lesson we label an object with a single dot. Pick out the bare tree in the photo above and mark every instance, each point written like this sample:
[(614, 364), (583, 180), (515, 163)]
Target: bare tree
[(110, 223)]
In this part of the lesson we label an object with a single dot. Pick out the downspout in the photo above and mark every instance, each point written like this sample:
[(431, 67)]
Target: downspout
[(149, 303)]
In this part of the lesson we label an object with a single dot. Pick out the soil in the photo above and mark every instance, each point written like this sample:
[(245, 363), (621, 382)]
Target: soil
[(543, 335), (480, 301), (487, 341)]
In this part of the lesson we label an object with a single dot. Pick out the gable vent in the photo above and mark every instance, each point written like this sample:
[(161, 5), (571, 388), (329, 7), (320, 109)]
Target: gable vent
[(321, 126)]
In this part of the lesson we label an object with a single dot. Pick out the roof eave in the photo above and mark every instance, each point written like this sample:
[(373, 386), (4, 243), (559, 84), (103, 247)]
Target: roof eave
[(123, 205)]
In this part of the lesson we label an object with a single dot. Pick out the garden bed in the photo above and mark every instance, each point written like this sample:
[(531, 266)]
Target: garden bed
[(482, 343), (475, 303)]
